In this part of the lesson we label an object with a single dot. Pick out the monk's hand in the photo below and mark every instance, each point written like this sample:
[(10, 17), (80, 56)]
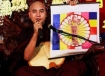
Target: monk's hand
[(53, 65), (72, 2), (37, 25)]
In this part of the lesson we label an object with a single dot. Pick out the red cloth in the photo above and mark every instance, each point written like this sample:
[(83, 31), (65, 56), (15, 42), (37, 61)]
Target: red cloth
[(101, 63), (101, 57), (69, 68)]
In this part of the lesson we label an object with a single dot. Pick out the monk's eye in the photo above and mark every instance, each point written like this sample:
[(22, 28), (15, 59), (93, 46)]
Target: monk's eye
[(42, 11), (34, 11)]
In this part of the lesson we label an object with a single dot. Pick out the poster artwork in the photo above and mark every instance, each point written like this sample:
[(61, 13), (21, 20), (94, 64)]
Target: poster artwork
[(83, 22)]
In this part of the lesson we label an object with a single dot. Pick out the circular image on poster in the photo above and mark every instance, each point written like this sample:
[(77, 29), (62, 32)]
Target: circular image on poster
[(77, 25)]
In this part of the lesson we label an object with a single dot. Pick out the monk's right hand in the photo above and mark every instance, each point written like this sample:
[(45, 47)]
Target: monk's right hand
[(37, 25)]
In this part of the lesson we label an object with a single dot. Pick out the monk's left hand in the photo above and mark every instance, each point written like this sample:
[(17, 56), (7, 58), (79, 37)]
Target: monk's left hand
[(72, 2), (53, 65)]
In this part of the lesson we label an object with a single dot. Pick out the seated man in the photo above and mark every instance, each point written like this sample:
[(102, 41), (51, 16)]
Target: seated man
[(25, 51)]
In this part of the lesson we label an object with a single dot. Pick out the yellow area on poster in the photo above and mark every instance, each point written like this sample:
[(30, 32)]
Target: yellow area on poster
[(62, 45), (93, 23)]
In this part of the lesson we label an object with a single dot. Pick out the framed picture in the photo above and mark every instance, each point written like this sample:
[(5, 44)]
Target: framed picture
[(81, 20)]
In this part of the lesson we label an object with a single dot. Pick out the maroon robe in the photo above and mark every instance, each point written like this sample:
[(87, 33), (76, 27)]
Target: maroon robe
[(69, 68), (17, 66)]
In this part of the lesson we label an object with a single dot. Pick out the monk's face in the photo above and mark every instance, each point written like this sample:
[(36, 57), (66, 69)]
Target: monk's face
[(37, 12)]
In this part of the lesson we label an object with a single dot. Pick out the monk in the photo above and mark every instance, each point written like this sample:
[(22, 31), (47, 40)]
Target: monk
[(18, 61)]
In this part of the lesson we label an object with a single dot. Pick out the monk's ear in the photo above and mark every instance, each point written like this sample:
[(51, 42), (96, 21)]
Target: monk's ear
[(29, 14), (46, 14)]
